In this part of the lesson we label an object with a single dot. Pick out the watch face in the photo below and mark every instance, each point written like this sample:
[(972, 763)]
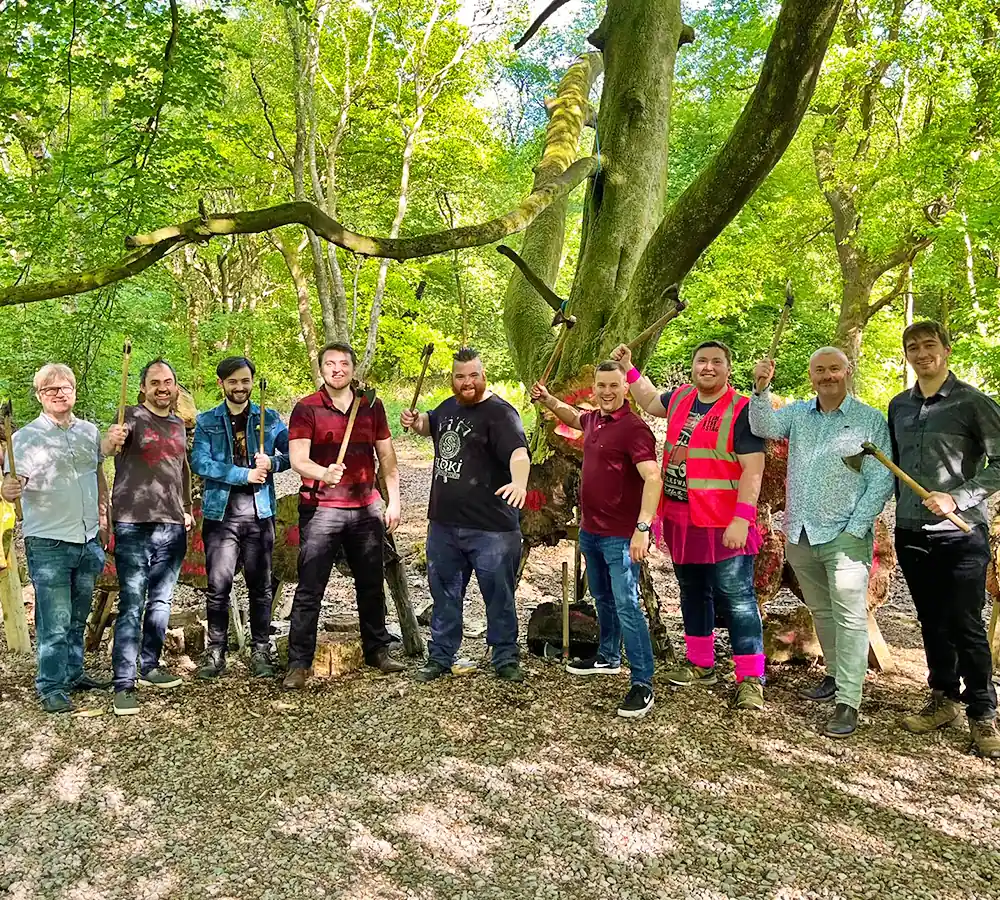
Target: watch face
[(642, 526)]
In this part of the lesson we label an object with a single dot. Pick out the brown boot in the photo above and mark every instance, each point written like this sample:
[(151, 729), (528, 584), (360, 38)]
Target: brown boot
[(295, 680), (939, 712), (985, 737), (384, 663)]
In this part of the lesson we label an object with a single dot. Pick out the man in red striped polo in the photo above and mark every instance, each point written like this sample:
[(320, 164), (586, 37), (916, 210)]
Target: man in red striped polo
[(339, 506)]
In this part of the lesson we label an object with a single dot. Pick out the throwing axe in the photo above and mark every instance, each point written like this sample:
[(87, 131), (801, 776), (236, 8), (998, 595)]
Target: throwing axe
[(359, 396), (868, 449), (426, 356)]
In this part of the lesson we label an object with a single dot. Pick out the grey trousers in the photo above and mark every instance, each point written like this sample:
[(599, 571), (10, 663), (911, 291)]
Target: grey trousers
[(834, 581)]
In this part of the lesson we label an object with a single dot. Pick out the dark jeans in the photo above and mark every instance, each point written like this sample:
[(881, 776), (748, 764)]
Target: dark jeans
[(730, 582), (614, 585), (234, 540), (63, 574), (322, 532), (946, 574), (148, 556), (452, 555)]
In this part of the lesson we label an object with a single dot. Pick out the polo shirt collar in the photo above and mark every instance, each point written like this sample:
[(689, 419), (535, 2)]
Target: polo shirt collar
[(330, 405), (619, 413), (943, 391)]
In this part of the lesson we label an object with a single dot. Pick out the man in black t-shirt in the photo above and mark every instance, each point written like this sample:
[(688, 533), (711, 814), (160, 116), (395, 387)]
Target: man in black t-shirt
[(481, 468)]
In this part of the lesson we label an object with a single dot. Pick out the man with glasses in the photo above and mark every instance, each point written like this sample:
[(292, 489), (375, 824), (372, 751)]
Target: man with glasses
[(64, 498)]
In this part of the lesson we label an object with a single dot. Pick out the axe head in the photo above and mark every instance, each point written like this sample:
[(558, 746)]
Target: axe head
[(367, 393), (6, 409), (789, 296), (263, 384), (854, 462), (560, 318), (127, 348), (428, 350)]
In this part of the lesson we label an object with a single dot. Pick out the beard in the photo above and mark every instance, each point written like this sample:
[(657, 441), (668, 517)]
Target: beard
[(465, 399), (237, 397)]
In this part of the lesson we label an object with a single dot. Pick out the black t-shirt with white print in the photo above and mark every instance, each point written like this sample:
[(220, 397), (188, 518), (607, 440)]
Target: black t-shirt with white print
[(472, 449), (675, 469)]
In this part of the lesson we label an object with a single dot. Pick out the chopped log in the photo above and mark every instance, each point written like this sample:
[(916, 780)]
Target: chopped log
[(101, 613), (186, 634), (662, 647), (791, 637), (15, 621), (337, 653), (399, 590)]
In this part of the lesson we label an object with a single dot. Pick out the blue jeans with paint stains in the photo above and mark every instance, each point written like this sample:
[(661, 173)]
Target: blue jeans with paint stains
[(453, 554), (148, 556), (63, 574)]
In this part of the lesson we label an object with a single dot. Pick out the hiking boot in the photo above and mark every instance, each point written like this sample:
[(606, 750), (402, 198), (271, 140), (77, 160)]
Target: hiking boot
[(750, 693), (985, 737), (214, 665), (125, 703), (91, 683), (384, 663), (260, 663), (160, 678), (296, 679), (638, 701), (430, 670), (825, 690), (510, 672), (57, 703), (939, 712), (688, 673), (594, 665), (843, 723)]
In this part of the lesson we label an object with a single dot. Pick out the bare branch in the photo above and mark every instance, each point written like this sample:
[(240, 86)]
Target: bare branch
[(153, 123), (539, 22), (269, 120)]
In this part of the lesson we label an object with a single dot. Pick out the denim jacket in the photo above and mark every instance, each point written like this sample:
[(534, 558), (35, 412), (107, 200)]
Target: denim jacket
[(212, 459)]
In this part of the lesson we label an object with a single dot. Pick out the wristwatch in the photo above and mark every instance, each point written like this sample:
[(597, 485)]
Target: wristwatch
[(642, 526)]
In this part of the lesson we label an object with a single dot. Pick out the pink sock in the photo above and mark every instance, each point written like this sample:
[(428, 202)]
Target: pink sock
[(748, 665), (701, 650)]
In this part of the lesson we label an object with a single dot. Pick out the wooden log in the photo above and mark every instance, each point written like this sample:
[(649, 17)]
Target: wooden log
[(399, 590), (662, 646), (101, 612), (878, 651), (15, 622), (337, 653)]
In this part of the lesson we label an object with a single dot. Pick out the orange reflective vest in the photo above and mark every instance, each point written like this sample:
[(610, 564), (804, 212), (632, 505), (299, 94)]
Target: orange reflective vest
[(713, 469)]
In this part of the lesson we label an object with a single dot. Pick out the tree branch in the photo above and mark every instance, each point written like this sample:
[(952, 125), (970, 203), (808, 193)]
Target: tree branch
[(153, 123), (883, 302), (539, 22), (269, 120), (541, 288)]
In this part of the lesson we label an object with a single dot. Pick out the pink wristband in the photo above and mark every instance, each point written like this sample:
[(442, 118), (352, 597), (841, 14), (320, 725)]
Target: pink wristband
[(633, 375), (746, 511)]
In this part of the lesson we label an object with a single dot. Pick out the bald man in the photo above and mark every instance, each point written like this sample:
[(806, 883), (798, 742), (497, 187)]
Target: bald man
[(830, 513)]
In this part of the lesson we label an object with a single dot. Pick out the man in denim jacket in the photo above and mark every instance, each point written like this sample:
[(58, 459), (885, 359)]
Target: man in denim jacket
[(239, 506)]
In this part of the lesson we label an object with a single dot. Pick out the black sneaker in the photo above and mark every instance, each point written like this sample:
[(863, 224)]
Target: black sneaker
[(91, 683), (825, 690), (261, 665), (510, 672), (58, 702), (595, 665), (214, 664), (637, 702), (431, 670)]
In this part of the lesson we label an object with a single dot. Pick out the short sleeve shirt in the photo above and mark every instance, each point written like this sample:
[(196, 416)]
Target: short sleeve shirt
[(149, 469), (611, 486), (472, 449), (316, 419)]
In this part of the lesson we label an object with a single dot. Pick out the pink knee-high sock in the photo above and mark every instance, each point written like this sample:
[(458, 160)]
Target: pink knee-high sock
[(701, 650), (749, 665)]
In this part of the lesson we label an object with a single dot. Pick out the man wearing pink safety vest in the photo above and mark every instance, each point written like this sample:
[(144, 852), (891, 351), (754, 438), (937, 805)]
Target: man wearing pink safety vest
[(712, 469)]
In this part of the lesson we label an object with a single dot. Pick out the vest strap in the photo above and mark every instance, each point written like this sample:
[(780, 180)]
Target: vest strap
[(713, 484)]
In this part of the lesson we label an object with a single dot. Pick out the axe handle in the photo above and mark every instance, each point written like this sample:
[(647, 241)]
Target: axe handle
[(8, 431), (420, 384), (350, 427), (658, 325), (263, 412), (782, 321), (123, 399), (921, 492), (553, 359)]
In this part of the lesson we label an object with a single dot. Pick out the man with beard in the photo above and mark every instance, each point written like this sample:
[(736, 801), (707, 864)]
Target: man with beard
[(830, 519), (481, 468), (64, 498), (946, 435), (238, 507), (712, 469), (151, 506), (338, 507), (619, 489)]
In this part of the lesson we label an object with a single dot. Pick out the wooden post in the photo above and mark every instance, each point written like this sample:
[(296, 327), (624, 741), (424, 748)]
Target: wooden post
[(15, 623), (399, 588), (565, 611), (878, 651)]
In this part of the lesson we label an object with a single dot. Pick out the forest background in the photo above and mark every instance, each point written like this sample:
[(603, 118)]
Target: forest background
[(402, 117)]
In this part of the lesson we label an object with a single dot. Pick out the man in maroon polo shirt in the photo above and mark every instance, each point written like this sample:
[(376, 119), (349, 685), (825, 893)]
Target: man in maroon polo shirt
[(619, 493), (338, 506)]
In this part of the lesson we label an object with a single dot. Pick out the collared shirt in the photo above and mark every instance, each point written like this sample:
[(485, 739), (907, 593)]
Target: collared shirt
[(611, 486), (823, 496), (944, 442), (60, 496)]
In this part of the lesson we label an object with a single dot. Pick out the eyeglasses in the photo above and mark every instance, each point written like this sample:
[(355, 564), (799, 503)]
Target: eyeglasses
[(56, 391)]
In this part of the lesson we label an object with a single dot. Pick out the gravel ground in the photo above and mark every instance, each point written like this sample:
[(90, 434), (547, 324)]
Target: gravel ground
[(374, 787)]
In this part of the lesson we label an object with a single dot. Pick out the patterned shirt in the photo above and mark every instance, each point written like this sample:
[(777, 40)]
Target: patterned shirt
[(825, 497), (316, 419)]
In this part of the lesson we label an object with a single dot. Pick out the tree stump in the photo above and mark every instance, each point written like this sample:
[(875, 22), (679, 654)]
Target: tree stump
[(186, 634), (337, 653), (662, 647)]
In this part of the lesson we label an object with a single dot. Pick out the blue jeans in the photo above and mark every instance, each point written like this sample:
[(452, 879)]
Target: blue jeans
[(453, 554), (148, 556), (614, 585), (730, 582), (63, 574)]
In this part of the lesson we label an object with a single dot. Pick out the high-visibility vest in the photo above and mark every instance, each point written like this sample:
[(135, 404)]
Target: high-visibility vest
[(713, 469)]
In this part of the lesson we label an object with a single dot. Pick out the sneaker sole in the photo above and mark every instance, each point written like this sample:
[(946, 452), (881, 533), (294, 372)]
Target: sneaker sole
[(704, 682), (635, 713), (160, 685), (608, 670), (125, 712)]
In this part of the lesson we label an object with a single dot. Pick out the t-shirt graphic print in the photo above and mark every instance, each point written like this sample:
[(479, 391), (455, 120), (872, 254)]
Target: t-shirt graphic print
[(448, 462)]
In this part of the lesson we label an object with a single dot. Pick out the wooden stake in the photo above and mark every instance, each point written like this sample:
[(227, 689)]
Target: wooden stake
[(565, 610), (878, 651), (994, 634)]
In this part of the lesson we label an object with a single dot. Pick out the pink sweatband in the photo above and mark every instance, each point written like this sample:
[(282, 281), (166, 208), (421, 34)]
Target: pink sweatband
[(701, 650), (633, 375), (746, 511), (749, 665)]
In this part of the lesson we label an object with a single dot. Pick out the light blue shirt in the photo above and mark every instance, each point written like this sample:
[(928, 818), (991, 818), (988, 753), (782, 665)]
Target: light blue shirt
[(60, 497), (822, 495)]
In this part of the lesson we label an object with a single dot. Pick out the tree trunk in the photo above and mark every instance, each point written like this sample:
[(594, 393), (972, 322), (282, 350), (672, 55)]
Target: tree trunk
[(307, 324), (854, 307)]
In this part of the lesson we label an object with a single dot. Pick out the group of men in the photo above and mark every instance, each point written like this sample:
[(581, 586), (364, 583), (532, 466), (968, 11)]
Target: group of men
[(700, 505)]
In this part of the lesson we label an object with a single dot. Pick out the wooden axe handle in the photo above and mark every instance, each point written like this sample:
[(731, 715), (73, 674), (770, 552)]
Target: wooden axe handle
[(350, 427), (658, 325), (263, 412), (123, 400), (782, 321), (8, 432), (556, 351), (420, 383), (921, 492)]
